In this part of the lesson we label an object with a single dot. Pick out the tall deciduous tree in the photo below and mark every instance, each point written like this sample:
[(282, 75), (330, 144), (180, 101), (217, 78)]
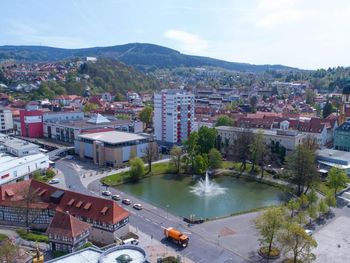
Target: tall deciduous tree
[(269, 224), (137, 169), (206, 139), (200, 163), (297, 242), (241, 149), (146, 116), (175, 160), (327, 109), (214, 159), (192, 148), (151, 154), (337, 178), (302, 168)]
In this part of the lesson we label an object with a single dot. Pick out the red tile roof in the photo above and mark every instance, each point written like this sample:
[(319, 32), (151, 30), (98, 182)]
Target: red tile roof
[(67, 225), (114, 214)]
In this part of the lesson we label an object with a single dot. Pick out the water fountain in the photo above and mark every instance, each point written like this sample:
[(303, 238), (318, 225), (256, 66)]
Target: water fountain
[(207, 188)]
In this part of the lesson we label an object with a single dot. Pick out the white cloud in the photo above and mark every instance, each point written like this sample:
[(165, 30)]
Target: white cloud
[(36, 36), (191, 43), (275, 13)]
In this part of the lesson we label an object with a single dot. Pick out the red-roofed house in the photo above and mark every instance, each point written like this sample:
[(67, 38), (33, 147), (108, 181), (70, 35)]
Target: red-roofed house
[(107, 218), (67, 233)]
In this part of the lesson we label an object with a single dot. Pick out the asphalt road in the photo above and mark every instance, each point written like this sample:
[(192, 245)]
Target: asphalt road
[(151, 219), (71, 176)]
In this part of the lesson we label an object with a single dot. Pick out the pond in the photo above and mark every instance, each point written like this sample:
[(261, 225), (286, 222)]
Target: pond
[(177, 195)]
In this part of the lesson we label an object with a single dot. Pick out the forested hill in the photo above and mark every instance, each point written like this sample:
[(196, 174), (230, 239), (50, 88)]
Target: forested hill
[(103, 75), (142, 56)]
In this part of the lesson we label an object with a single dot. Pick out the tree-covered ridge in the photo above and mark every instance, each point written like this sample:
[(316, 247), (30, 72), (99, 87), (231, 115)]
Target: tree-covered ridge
[(100, 76), (142, 56), (113, 76)]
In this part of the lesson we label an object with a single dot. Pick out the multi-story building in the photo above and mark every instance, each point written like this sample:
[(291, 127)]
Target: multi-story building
[(67, 233), (111, 148), (6, 121), (173, 115), (286, 138), (35, 204), (31, 123), (19, 159), (68, 130), (342, 137)]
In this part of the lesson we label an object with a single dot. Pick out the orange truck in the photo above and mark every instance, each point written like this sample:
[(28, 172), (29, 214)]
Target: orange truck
[(176, 236)]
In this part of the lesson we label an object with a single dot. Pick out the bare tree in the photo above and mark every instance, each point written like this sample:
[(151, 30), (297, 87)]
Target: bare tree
[(151, 154), (241, 148), (175, 161), (8, 251), (29, 214)]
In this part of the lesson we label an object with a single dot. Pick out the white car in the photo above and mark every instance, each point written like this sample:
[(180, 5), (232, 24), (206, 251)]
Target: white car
[(106, 193), (116, 197), (130, 241), (54, 181), (126, 201), (309, 232), (137, 206)]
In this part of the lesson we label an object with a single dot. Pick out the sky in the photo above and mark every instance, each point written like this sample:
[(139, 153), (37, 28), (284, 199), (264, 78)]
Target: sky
[(308, 34)]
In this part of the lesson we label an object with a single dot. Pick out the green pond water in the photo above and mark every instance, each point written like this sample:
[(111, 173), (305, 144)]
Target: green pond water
[(174, 194)]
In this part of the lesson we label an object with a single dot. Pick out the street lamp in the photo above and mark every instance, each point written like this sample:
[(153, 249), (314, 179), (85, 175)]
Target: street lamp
[(167, 208)]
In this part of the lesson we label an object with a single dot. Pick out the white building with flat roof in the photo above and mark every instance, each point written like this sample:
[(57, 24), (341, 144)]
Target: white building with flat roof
[(19, 159), (111, 148), (173, 115)]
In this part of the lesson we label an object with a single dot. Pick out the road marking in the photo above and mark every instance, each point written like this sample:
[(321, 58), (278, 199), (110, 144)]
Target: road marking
[(148, 220)]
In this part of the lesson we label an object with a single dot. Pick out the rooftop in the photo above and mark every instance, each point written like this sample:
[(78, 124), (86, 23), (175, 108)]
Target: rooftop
[(67, 225), (15, 143), (77, 204), (256, 130), (112, 137), (84, 124), (345, 127), (9, 161), (87, 255)]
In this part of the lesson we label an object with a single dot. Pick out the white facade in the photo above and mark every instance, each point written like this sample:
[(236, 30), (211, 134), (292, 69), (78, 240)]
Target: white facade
[(173, 115), (6, 121), (288, 139), (13, 169), (63, 116)]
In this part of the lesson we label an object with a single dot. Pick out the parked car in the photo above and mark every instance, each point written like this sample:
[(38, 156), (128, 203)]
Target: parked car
[(126, 201), (137, 206), (106, 193), (54, 181), (130, 241), (309, 232), (116, 197)]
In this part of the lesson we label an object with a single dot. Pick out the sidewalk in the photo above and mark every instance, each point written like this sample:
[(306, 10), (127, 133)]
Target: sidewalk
[(156, 249), (91, 175)]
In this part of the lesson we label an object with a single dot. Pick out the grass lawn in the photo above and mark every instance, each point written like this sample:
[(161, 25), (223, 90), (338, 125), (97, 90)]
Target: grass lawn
[(237, 165), (3, 237), (120, 178), (324, 188), (32, 236)]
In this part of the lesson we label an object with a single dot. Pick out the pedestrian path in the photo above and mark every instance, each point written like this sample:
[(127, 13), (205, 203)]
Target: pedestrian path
[(155, 248)]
